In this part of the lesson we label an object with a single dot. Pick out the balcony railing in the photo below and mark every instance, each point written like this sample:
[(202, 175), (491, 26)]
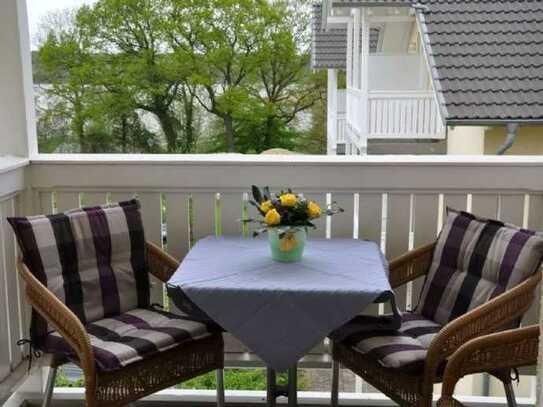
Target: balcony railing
[(394, 115), (399, 202)]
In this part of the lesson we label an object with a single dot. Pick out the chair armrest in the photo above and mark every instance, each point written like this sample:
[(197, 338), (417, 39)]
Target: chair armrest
[(161, 264), (58, 315), (502, 350), (495, 315), (410, 265)]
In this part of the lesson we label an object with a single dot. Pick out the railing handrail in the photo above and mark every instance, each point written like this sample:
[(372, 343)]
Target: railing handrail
[(403, 94), (226, 172), (302, 159)]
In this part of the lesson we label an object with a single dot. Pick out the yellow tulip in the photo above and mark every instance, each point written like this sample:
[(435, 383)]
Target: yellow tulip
[(266, 206), (288, 200), (314, 211), (272, 218)]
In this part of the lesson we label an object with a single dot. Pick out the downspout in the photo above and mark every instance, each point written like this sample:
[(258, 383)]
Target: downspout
[(512, 132)]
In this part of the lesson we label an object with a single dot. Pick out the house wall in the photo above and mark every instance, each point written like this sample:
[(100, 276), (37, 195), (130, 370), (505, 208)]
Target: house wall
[(15, 79), (529, 141), (465, 140), (396, 37), (397, 72)]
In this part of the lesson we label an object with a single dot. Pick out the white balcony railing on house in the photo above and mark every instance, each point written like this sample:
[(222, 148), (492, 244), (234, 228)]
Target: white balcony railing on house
[(404, 115), (340, 116), (341, 128), (394, 115), (396, 201)]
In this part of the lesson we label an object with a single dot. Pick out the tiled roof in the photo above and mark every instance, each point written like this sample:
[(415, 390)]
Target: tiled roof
[(486, 56), (329, 47)]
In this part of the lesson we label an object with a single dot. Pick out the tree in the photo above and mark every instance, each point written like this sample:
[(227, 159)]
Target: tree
[(65, 59), (285, 85), (221, 39), (244, 63), (137, 66)]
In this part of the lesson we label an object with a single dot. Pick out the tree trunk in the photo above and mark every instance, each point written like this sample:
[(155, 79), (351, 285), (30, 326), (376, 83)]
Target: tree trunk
[(78, 126), (229, 132), (124, 134), (188, 106), (169, 127), (268, 133)]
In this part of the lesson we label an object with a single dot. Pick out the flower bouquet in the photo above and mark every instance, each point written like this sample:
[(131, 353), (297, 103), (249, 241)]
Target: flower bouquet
[(286, 216)]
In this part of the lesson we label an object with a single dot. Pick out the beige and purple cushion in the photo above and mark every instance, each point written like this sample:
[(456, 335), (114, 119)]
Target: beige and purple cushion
[(133, 336), (476, 259), (93, 259), (403, 348)]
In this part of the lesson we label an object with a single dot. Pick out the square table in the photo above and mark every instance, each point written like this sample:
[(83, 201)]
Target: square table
[(280, 310)]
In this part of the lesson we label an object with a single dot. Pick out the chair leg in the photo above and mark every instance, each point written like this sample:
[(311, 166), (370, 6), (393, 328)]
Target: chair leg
[(335, 384), (49, 387), (510, 394), (220, 387)]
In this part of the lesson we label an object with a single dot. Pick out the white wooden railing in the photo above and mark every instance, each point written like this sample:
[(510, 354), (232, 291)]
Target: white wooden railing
[(341, 128), (404, 115), (13, 311), (397, 201), (394, 115)]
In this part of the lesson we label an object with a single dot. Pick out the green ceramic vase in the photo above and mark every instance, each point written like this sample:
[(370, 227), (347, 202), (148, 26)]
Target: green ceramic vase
[(290, 247)]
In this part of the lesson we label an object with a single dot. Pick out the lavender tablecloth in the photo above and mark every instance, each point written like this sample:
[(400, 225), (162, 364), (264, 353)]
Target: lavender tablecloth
[(280, 311)]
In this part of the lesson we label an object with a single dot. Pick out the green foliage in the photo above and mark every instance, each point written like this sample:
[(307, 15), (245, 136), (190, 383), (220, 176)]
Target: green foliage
[(240, 379), (63, 381), (244, 62), (234, 379)]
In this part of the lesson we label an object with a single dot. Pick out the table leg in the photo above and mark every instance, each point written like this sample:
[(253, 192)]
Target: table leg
[(293, 386), (271, 384), (290, 390)]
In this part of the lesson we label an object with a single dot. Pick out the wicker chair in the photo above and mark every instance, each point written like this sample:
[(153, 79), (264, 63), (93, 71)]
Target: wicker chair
[(498, 353), (137, 380), (417, 389)]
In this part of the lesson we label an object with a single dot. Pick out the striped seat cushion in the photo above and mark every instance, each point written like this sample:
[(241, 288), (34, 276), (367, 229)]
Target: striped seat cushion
[(133, 336), (92, 259), (476, 259), (404, 348)]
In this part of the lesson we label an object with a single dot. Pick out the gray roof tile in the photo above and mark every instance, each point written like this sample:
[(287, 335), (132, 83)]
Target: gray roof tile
[(487, 57), (329, 47)]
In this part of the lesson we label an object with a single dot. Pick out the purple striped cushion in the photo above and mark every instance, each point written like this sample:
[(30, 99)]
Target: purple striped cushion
[(133, 336), (404, 348), (476, 259), (92, 259)]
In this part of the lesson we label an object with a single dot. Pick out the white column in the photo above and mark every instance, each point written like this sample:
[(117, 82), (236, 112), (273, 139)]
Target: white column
[(356, 49), (16, 93), (350, 110), (350, 53), (364, 79), (331, 115)]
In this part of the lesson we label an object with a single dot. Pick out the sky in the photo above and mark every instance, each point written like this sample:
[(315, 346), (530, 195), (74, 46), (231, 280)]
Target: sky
[(38, 8)]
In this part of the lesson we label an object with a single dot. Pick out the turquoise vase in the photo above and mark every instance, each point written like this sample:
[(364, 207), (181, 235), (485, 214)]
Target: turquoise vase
[(288, 248)]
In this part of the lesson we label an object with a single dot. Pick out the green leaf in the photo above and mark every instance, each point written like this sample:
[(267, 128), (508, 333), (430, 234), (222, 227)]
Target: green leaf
[(256, 194)]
